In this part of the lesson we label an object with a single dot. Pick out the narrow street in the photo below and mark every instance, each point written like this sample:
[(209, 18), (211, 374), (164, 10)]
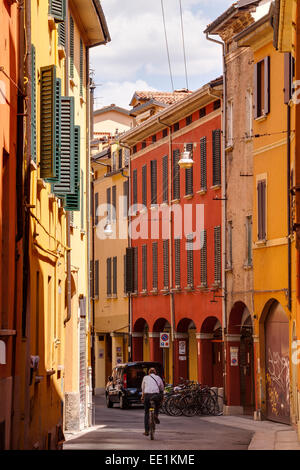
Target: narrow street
[(122, 430)]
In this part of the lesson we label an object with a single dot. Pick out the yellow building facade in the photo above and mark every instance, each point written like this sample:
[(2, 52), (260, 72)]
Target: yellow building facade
[(274, 252), (55, 346)]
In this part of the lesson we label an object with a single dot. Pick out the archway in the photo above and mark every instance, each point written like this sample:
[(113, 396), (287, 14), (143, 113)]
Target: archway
[(140, 341), (210, 346), (240, 359), (185, 351), (277, 367)]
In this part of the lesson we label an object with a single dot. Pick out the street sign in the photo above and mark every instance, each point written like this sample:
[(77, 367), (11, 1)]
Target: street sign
[(164, 340)]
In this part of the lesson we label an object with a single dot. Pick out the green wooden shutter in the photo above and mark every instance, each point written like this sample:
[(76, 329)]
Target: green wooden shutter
[(56, 177), (217, 239), (153, 164), (177, 263), (33, 103), (57, 8), (67, 168), (154, 265), (144, 185), (114, 202), (108, 276), (62, 34), (48, 126), (81, 67), (96, 207), (216, 135), (190, 260), (73, 200), (203, 178), (97, 277), (189, 173), (165, 178), (176, 174), (115, 277), (166, 262), (135, 268), (203, 258), (144, 263), (134, 186), (71, 47)]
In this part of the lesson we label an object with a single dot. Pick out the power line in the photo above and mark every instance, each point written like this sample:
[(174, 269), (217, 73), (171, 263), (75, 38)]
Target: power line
[(168, 54), (183, 45)]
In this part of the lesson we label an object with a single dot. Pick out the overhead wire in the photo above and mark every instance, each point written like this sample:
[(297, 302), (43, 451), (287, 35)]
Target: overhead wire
[(167, 46), (183, 45)]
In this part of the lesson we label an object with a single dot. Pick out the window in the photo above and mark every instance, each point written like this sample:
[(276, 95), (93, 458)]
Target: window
[(289, 73), (144, 266), (188, 120), (48, 115), (217, 104), (177, 263), (189, 173), (153, 139), (165, 182), (144, 144), (190, 260), (262, 88), (81, 67), (57, 9), (249, 240), (135, 269), (202, 112), (96, 207), (114, 203), (33, 104), (120, 158), (229, 142), (125, 198), (176, 127), (72, 201), (176, 174), (217, 240), (71, 47), (261, 209), (154, 265), (229, 244), (166, 263), (203, 259), (62, 34), (108, 276), (216, 137), (165, 133), (153, 164), (108, 204), (115, 265), (203, 177), (144, 185), (134, 149), (125, 274), (80, 197), (134, 187), (97, 278)]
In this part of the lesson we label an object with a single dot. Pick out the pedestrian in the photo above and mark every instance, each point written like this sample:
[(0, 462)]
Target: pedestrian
[(152, 388)]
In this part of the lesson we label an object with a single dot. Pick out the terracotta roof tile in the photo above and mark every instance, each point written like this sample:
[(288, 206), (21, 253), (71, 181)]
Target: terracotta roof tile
[(162, 96)]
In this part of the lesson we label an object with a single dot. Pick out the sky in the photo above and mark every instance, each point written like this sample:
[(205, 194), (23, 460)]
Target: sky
[(136, 58)]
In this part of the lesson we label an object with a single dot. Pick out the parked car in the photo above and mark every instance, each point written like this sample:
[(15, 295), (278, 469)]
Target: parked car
[(124, 386)]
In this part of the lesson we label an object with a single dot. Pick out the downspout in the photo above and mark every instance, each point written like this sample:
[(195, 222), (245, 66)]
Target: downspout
[(69, 311), (224, 212), (288, 143), (172, 299)]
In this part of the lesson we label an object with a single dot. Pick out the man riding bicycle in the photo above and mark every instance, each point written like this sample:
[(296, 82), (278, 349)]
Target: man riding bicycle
[(152, 389)]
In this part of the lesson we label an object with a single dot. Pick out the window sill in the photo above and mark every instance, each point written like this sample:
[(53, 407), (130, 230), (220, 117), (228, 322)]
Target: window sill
[(176, 289), (216, 187), (41, 184), (216, 285), (188, 196), (134, 294), (261, 118), (248, 267), (154, 292), (51, 23), (261, 242), (144, 293), (61, 52), (203, 288), (72, 83), (153, 207), (189, 288), (175, 201), (202, 192), (229, 148), (165, 290), (82, 100), (33, 165)]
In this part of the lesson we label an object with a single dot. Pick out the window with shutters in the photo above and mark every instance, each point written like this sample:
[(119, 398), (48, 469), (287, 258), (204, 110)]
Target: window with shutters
[(165, 182), (71, 47), (62, 34), (108, 204), (217, 246), (135, 269), (48, 122), (176, 127), (188, 120), (189, 173), (114, 203), (249, 240), (202, 112), (125, 273), (144, 267), (115, 275), (176, 174), (92, 278), (144, 144), (229, 246), (217, 104), (97, 278), (125, 198), (153, 166), (134, 149), (120, 158), (289, 73), (262, 88), (165, 133), (166, 263), (144, 185), (177, 263), (57, 9), (33, 104), (72, 201), (261, 210), (108, 276), (203, 258), (154, 265), (203, 164), (66, 183), (57, 159), (96, 207), (81, 67), (154, 138), (190, 260), (81, 192), (216, 148), (134, 188)]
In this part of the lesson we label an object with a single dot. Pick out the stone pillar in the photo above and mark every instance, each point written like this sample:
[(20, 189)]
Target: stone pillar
[(137, 346), (155, 350), (204, 358), (181, 360), (233, 392)]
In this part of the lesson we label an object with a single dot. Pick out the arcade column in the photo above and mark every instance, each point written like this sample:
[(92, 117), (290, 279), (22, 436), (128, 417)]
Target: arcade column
[(117, 348), (233, 386), (180, 356), (137, 346), (204, 358), (156, 354)]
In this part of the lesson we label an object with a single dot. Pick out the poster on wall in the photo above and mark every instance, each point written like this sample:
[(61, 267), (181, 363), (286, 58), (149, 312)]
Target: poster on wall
[(182, 347), (234, 356)]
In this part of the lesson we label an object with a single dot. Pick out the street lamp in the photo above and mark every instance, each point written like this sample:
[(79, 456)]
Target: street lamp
[(108, 230), (186, 161)]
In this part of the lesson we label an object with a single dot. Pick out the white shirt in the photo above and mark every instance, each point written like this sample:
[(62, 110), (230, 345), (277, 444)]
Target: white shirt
[(150, 386)]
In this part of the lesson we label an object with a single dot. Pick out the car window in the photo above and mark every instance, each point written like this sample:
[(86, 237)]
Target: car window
[(135, 376)]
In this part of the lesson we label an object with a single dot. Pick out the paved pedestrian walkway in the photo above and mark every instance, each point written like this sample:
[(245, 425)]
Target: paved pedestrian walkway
[(267, 434)]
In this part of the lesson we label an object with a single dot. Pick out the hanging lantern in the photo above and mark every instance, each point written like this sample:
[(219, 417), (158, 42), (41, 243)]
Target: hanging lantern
[(186, 161)]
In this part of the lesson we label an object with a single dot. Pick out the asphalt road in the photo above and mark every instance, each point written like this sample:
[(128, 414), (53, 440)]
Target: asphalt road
[(117, 429)]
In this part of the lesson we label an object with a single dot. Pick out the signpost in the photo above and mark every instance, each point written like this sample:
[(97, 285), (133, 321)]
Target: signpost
[(164, 340)]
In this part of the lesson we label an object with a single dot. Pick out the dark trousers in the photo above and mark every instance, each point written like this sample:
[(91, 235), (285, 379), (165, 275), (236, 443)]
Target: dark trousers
[(156, 399)]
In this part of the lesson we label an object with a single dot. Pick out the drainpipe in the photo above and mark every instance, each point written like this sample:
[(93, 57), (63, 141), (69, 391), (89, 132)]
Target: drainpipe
[(172, 299), (224, 211), (288, 143), (69, 310)]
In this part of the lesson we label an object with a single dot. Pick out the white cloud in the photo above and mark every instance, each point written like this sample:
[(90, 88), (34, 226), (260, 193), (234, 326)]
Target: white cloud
[(119, 93)]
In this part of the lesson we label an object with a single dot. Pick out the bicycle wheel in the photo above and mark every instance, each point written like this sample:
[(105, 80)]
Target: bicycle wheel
[(188, 405), (151, 423), (173, 406)]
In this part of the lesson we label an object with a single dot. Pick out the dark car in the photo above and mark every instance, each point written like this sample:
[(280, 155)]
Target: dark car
[(124, 386)]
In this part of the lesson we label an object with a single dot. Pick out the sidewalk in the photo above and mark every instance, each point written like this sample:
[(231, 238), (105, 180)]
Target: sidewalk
[(267, 434)]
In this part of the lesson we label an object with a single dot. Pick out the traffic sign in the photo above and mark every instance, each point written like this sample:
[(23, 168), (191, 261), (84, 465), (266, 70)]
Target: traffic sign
[(164, 340)]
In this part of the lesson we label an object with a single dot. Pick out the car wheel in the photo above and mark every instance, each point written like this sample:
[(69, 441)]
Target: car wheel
[(109, 403), (123, 402)]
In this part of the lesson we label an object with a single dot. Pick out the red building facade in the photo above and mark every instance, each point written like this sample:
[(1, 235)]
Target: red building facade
[(175, 222)]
